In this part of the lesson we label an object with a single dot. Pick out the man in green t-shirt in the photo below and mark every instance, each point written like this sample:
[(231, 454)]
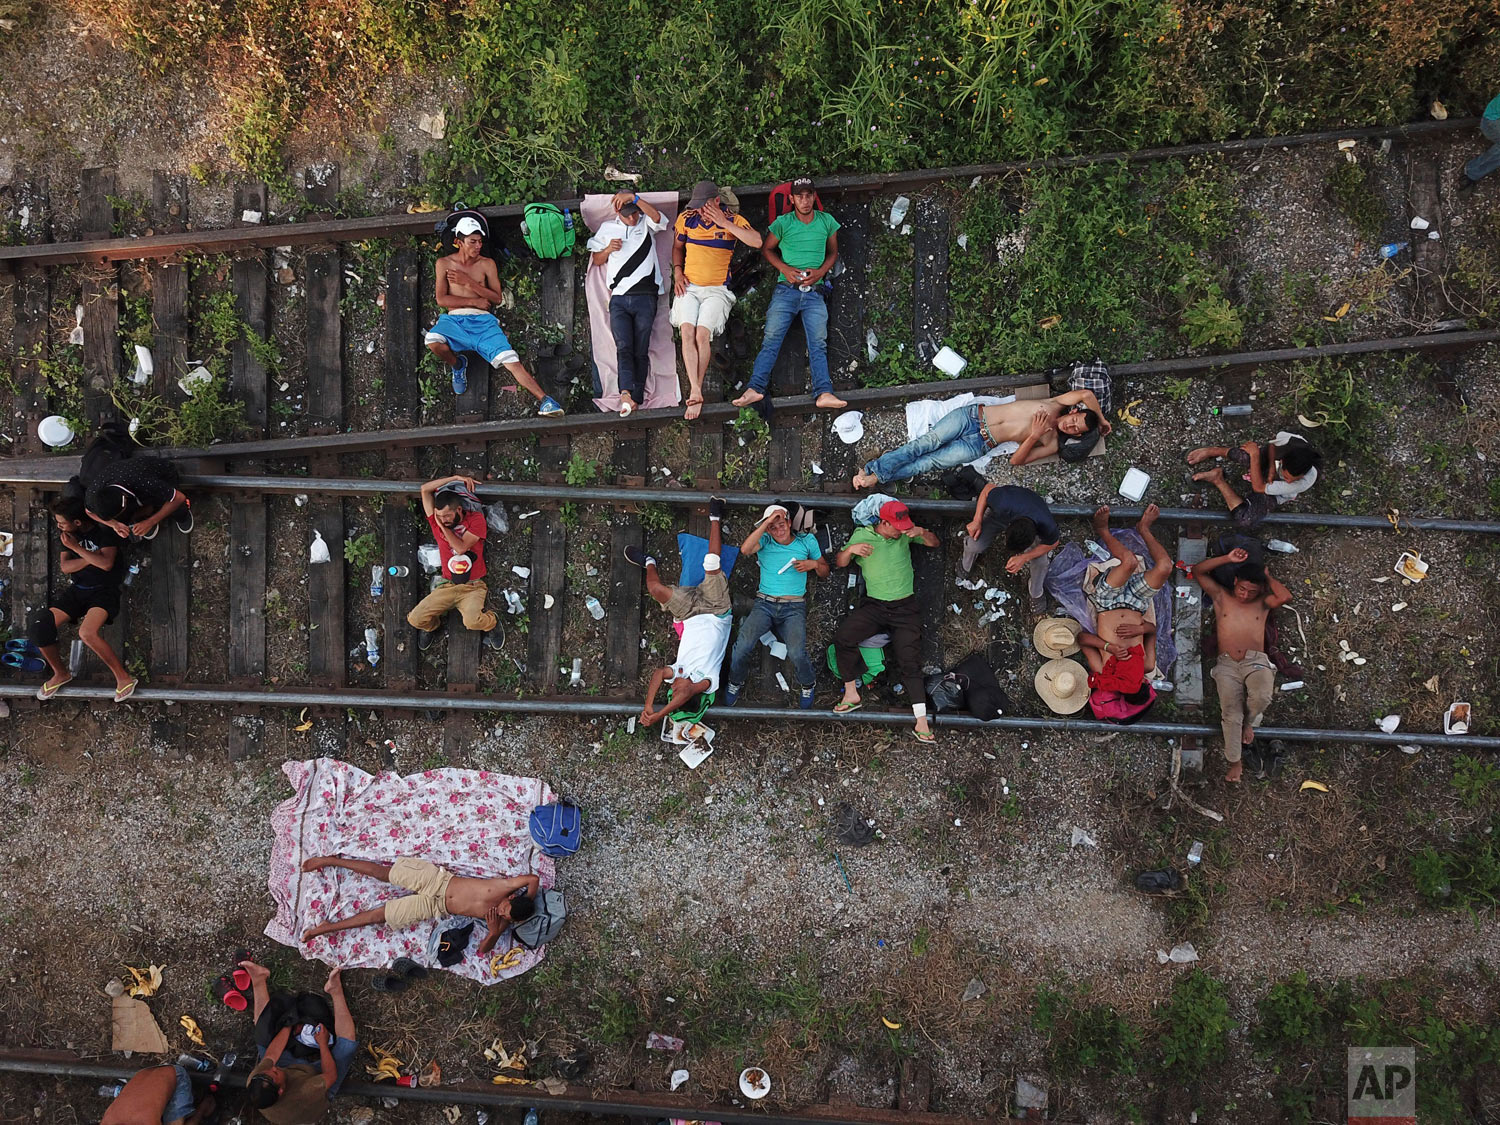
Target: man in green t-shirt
[(802, 246), (889, 606)]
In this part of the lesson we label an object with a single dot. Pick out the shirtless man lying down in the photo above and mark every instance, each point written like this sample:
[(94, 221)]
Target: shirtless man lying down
[(1124, 642)]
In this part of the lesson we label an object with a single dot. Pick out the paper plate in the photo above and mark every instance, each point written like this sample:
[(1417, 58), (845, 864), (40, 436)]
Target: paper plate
[(753, 1090)]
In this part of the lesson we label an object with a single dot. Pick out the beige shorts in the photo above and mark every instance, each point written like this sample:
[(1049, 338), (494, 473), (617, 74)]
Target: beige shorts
[(707, 306), (428, 884), (709, 596)]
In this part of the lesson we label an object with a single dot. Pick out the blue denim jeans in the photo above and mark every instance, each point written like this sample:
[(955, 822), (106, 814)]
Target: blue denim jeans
[(1488, 160), (787, 303), (631, 318), (957, 439), (182, 1103), (788, 620)]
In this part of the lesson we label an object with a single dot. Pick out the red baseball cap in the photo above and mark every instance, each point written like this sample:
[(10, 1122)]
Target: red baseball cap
[(894, 513)]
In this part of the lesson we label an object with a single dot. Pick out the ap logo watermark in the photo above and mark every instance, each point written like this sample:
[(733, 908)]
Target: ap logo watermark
[(1382, 1086)]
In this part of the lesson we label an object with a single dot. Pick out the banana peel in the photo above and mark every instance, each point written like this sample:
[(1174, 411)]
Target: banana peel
[(1312, 424), (507, 1080), (387, 1065), (304, 724), (1316, 785), (890, 1024), (504, 1060), (507, 960), (145, 981), (1339, 314), (190, 1028), (1126, 412)]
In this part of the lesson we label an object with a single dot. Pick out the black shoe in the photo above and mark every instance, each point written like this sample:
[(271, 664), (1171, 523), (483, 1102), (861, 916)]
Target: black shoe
[(494, 639), (425, 637), (1465, 185), (390, 982), (406, 967), (182, 518), (1254, 763), (637, 557), (717, 508)]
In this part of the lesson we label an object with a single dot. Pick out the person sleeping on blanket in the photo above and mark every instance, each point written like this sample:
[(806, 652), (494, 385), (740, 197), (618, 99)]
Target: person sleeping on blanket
[(1122, 648), (436, 893)]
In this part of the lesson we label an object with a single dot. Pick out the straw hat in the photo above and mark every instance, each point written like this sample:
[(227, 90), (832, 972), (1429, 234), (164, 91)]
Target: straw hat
[(1063, 685), (1056, 636)]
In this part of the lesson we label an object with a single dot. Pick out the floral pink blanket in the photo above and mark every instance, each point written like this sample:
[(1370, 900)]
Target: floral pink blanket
[(472, 822)]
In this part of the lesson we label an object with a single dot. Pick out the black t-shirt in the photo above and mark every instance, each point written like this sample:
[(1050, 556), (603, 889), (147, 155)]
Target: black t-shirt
[(96, 537), (1012, 502)]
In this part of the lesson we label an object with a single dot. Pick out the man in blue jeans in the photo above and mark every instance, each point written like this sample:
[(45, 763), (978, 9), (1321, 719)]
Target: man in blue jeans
[(802, 245), (626, 247), (162, 1093), (781, 602), (1489, 160)]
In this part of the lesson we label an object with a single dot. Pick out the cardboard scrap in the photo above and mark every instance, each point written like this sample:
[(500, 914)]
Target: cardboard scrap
[(134, 1028)]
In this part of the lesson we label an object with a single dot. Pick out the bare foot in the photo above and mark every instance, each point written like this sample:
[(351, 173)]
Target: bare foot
[(1199, 455), (259, 974), (1101, 519), (694, 408), (335, 981), (1148, 517), (1213, 476), (749, 398), (865, 480), (1249, 735), (829, 401), (316, 862), (1235, 772)]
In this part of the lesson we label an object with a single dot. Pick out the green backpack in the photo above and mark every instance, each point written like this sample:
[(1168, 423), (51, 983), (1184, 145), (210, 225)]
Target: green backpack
[(547, 230)]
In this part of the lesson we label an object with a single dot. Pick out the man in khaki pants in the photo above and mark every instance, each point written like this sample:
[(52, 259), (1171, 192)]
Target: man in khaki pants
[(452, 509), (1243, 673)]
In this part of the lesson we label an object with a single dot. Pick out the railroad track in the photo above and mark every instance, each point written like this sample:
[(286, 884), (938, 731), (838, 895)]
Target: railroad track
[(401, 441)]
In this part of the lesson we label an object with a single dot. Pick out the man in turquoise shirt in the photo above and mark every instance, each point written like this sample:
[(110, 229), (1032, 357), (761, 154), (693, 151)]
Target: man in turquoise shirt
[(1488, 160), (786, 558), (802, 246)]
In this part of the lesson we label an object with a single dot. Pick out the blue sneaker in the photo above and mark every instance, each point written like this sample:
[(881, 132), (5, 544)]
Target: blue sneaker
[(461, 375), (805, 698), (732, 694), (549, 408)]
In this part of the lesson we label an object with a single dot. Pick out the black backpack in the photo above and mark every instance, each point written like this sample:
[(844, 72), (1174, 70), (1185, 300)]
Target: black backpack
[(982, 698), (293, 1009)]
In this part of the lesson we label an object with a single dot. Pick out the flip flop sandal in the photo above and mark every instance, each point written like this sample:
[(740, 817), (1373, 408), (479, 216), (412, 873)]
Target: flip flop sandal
[(698, 402), (390, 982), (842, 708), (231, 997), (925, 737), (24, 661), (406, 967), (48, 690), (124, 693)]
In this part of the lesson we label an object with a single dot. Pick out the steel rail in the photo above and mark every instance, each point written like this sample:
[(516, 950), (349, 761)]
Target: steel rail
[(336, 443), (637, 1105), (227, 240), (44, 476), (623, 708)]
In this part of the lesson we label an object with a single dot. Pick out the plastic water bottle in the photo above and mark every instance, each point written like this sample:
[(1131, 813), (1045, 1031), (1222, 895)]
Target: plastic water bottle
[(1234, 411), (398, 571), (1195, 853), (377, 581), (190, 1062), (1391, 249), (1281, 546), (111, 1091), (1097, 549), (595, 609), (898, 210), (75, 656), (567, 218), (372, 646), (576, 680), (131, 571)]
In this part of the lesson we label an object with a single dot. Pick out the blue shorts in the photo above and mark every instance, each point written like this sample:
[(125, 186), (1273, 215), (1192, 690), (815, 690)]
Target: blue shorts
[(343, 1051), (479, 333), (182, 1104)]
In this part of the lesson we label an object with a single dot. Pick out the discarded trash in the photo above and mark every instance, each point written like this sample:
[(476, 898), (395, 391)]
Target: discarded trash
[(1419, 223), (1281, 546), (548, 601), (521, 571), (513, 602), (756, 1083), (1168, 880), (1315, 785), (1183, 954), (145, 982), (1293, 685), (899, 209), (575, 678), (781, 679), (613, 173), (1411, 566), (1134, 486), (678, 1078), (145, 365), (1049, 322), (318, 552), (696, 751), (428, 557), (199, 376), (778, 650), (1127, 412), (656, 1041), (595, 608), (434, 125), (1234, 410), (872, 345), (248, 216), (973, 990), (963, 242), (816, 468), (1433, 235), (1346, 145), (1391, 249), (1082, 837), (377, 580), (851, 827), (190, 1029), (1389, 723), (949, 362), (372, 646), (1439, 111), (1456, 719), (1397, 607), (54, 431)]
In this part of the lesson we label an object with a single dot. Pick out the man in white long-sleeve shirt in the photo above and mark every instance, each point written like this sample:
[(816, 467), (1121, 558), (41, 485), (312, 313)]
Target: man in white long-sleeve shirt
[(626, 247)]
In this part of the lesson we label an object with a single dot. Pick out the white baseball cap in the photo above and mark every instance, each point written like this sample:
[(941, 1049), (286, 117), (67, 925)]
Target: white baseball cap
[(466, 226), (772, 509), (849, 426)]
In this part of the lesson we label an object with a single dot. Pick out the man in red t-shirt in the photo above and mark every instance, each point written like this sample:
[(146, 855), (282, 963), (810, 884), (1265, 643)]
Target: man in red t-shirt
[(459, 532)]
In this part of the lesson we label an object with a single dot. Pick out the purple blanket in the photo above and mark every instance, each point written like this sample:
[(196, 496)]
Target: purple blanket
[(1065, 583)]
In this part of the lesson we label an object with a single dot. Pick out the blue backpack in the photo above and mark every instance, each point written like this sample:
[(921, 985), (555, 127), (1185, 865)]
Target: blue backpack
[(557, 828)]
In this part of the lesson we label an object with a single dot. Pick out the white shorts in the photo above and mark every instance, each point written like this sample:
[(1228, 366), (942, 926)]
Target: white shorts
[(707, 306)]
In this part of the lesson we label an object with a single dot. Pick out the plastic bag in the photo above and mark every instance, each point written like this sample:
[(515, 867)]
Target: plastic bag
[(495, 517), (318, 552)]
